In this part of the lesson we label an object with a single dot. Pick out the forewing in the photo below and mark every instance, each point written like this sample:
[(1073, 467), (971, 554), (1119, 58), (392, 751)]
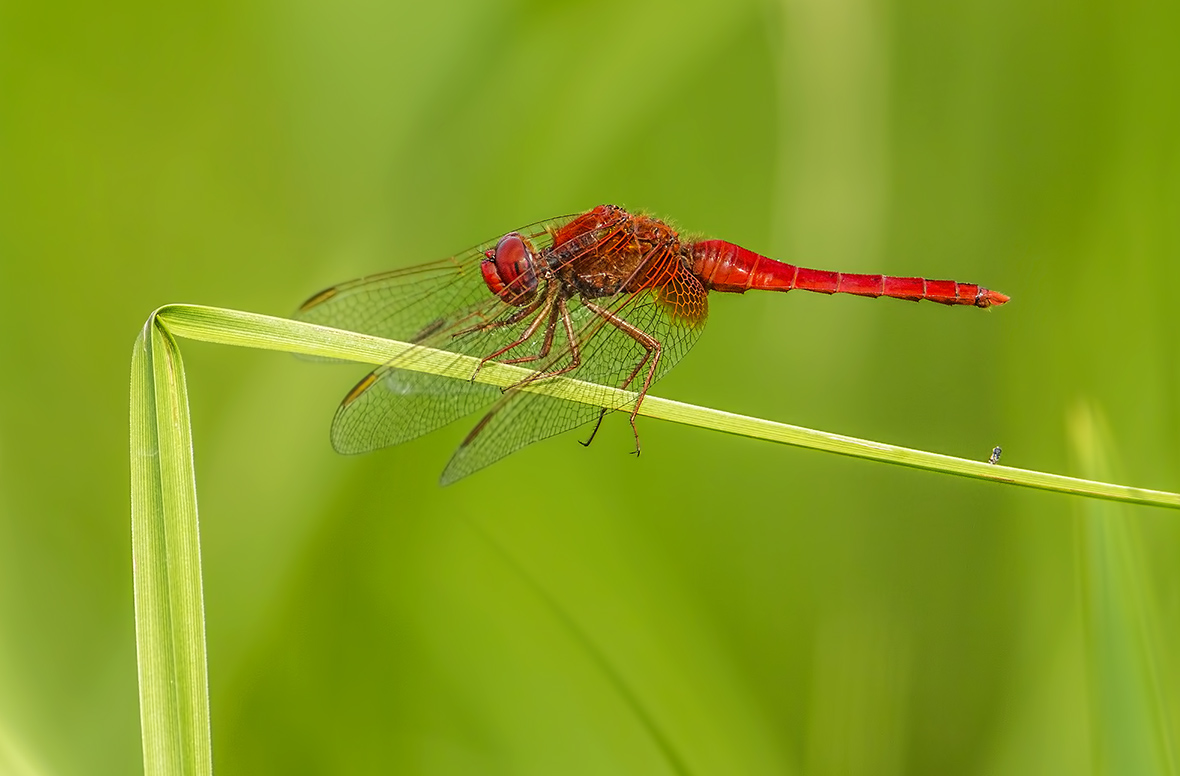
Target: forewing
[(428, 301), (434, 305), (391, 406)]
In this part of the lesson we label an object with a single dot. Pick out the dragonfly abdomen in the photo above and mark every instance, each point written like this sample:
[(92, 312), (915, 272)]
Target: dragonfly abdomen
[(723, 266)]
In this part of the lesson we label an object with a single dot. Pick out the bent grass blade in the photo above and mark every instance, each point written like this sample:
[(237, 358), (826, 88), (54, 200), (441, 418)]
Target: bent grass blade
[(169, 610), (165, 542)]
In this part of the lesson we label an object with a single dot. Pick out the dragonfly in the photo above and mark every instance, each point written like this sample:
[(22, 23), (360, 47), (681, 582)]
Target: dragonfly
[(607, 297)]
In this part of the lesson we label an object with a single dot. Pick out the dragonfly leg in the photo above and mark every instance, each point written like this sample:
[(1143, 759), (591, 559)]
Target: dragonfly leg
[(561, 310), (597, 425), (498, 323), (543, 310), (546, 342), (651, 359)]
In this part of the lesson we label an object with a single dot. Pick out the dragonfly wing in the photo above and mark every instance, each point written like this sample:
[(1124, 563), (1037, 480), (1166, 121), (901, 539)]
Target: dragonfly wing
[(391, 406), (673, 314), (413, 303), (517, 421), (435, 305), (394, 405)]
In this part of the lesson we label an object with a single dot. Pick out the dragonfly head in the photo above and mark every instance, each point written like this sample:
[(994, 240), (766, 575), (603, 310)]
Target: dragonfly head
[(510, 270)]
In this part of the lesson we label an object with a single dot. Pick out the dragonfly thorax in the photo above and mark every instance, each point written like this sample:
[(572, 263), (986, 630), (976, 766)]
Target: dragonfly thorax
[(609, 251)]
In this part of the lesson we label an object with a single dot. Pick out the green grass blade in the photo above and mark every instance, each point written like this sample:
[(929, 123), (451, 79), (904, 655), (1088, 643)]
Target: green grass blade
[(169, 613), (232, 327), (170, 631), (1130, 718)]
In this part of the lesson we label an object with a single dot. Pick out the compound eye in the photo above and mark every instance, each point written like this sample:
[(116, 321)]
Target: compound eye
[(513, 256), (510, 271)]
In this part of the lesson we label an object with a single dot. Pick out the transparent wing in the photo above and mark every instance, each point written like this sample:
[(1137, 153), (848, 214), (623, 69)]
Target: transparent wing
[(429, 305), (428, 301)]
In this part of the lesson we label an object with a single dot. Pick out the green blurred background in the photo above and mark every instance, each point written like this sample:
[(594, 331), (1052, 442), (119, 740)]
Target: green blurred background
[(719, 605)]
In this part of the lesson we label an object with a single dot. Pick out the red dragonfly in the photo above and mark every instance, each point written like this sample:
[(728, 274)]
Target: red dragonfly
[(607, 297)]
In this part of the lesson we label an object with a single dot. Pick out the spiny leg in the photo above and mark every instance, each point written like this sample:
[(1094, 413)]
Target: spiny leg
[(546, 342), (597, 425), (660, 251), (653, 350), (561, 310), (544, 310), (496, 323)]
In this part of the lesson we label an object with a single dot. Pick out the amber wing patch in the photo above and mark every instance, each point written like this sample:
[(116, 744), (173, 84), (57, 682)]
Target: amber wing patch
[(684, 297)]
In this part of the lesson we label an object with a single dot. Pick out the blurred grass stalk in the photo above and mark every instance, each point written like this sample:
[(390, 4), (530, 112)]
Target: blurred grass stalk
[(1130, 720), (169, 611)]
